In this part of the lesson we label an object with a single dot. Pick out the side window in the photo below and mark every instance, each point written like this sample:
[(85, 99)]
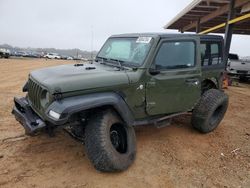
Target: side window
[(176, 54), (204, 54), (215, 54), (210, 53)]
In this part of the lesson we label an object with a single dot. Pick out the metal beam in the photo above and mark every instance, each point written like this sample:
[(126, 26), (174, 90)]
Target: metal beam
[(218, 12), (235, 20), (229, 31)]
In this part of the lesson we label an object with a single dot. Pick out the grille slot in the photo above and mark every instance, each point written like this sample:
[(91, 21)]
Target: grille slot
[(34, 94), (242, 72)]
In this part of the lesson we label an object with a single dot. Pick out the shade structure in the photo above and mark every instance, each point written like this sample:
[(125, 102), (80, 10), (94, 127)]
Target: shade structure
[(205, 16)]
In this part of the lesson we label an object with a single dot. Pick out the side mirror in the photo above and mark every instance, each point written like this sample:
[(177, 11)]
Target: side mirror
[(154, 71)]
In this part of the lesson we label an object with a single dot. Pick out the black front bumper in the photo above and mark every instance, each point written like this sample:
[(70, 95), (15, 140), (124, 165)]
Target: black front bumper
[(23, 113)]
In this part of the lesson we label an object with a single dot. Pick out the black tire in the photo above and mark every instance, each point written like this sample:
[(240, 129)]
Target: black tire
[(209, 111), (110, 155)]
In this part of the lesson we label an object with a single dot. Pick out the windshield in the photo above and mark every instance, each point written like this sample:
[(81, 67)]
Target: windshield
[(126, 50)]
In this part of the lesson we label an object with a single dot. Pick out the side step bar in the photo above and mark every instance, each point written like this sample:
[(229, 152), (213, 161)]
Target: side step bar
[(158, 122)]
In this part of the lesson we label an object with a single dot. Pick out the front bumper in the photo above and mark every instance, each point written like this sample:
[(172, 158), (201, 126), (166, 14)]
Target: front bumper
[(23, 113), (239, 73)]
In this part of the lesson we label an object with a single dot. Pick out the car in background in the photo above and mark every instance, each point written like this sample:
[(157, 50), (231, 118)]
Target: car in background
[(238, 67), (66, 57), (33, 54), (20, 54), (76, 58), (4, 53), (52, 56)]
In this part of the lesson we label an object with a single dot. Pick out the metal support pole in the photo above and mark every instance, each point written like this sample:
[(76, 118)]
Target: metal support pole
[(198, 27), (229, 31)]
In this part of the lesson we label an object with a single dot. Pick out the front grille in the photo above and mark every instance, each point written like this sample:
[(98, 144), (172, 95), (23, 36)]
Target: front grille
[(242, 72), (34, 94)]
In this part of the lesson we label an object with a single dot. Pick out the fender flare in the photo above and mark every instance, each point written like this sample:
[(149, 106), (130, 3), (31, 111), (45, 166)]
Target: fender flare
[(215, 81), (71, 105), (211, 80)]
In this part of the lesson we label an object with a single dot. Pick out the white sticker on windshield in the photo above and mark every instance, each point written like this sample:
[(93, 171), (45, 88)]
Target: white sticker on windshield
[(143, 40)]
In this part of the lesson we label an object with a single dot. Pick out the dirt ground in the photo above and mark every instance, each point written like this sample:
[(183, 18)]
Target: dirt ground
[(174, 156)]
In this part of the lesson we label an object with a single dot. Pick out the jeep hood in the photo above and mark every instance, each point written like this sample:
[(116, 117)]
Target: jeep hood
[(67, 78)]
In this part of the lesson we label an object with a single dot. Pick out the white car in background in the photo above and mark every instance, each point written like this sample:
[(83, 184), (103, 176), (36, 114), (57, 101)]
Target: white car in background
[(238, 67), (52, 56), (4, 53)]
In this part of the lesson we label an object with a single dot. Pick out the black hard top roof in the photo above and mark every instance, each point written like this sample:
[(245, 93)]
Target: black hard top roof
[(168, 35)]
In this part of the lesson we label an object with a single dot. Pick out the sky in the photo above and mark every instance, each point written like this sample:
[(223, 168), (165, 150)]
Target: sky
[(74, 23)]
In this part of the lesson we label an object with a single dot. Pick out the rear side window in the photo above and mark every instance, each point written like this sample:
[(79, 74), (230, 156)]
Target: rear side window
[(211, 53), (175, 54), (215, 53), (204, 54)]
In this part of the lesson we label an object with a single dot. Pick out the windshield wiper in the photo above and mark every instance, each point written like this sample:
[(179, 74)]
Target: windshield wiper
[(102, 58), (104, 61), (118, 61), (111, 60)]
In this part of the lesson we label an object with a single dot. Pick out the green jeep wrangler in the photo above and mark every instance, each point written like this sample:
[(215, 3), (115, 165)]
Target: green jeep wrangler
[(136, 79)]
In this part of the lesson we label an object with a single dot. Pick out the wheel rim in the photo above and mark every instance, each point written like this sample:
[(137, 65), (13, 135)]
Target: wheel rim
[(216, 114), (118, 137)]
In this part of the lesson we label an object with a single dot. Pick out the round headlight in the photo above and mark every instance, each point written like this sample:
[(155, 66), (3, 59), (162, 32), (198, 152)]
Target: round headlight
[(45, 98)]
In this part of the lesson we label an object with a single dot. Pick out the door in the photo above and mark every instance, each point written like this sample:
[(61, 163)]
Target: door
[(174, 85)]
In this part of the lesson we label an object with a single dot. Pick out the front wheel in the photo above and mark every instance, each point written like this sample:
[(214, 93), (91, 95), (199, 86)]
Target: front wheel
[(209, 111), (110, 143)]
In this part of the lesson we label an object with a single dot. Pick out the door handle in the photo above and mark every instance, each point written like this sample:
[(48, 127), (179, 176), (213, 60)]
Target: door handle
[(192, 81)]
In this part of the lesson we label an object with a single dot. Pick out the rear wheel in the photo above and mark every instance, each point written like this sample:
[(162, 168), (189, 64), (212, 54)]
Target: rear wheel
[(209, 111), (110, 143)]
